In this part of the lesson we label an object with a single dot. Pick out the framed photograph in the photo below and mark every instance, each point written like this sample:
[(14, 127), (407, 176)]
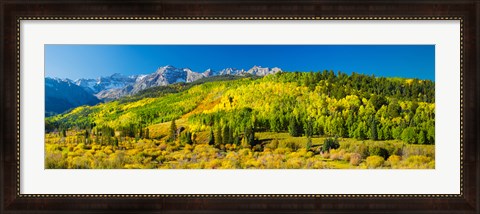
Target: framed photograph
[(212, 107)]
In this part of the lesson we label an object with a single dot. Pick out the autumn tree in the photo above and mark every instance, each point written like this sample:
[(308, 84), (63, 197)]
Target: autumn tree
[(409, 135), (422, 138)]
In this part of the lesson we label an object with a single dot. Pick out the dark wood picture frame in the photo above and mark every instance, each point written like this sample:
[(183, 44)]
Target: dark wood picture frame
[(468, 11)]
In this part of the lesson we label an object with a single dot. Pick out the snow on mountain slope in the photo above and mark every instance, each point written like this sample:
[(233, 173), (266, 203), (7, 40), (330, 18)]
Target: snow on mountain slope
[(118, 85), (106, 83)]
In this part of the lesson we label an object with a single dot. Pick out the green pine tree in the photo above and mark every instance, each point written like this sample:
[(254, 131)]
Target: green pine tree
[(173, 131), (211, 139), (373, 131)]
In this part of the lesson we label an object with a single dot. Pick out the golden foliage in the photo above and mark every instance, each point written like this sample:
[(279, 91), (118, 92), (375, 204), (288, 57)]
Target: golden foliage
[(281, 152)]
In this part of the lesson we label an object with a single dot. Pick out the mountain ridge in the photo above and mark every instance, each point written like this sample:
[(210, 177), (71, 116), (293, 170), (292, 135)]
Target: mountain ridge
[(117, 85), (61, 95)]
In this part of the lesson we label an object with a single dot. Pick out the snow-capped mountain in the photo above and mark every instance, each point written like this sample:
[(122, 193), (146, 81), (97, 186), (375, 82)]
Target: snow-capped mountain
[(255, 70), (259, 71), (164, 76), (169, 75), (105, 83), (118, 85), (226, 71)]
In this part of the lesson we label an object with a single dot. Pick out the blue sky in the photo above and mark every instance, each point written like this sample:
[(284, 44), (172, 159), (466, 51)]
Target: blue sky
[(92, 61)]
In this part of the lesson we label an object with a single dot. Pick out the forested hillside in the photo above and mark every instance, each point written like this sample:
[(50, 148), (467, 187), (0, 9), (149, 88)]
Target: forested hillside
[(372, 119)]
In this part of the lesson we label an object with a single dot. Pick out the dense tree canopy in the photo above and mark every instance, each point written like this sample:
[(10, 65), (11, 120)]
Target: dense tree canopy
[(300, 103), (358, 106)]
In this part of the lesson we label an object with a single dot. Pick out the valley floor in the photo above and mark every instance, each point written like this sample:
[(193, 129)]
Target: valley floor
[(273, 151)]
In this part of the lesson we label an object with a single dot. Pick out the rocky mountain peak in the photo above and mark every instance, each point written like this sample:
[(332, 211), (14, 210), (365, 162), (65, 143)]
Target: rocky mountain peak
[(118, 85)]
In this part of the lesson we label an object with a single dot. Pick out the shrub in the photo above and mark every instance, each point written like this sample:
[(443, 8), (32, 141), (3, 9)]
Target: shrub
[(359, 148), (325, 155), (257, 148), (347, 146), (378, 151), (288, 144), (330, 143), (394, 160), (295, 163), (80, 146), (282, 151), (374, 161), (419, 162), (188, 148), (162, 146), (355, 159), (55, 161), (272, 145), (309, 143), (244, 144), (412, 150), (161, 159), (336, 154)]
